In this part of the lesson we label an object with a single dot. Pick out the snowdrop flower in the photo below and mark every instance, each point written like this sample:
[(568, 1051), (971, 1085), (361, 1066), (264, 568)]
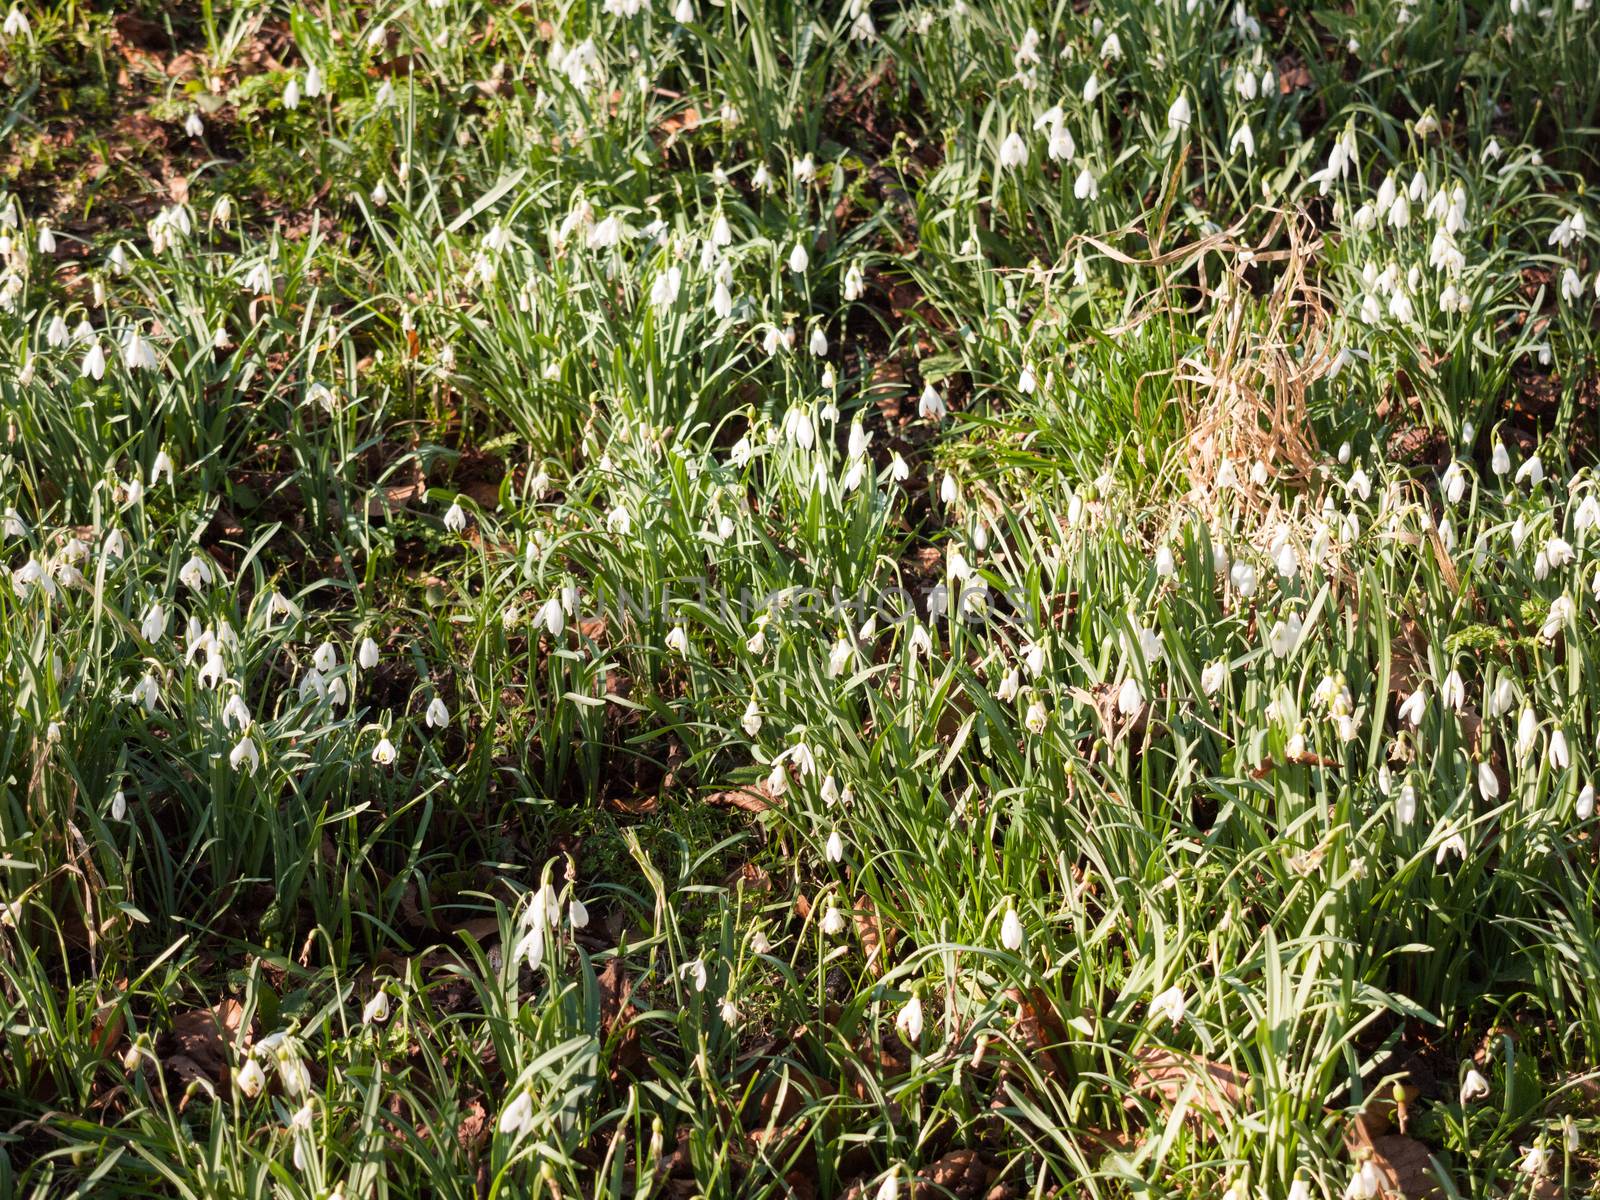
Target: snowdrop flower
[(804, 762), (244, 756), (16, 24), (1584, 809), (438, 716), (1500, 459), (664, 290), (1243, 577), (1365, 1184), (1169, 1005), (839, 657), (1535, 1161), (1166, 566), (751, 720), (1288, 563), (258, 279), (1010, 685), (1414, 708), (531, 945), (326, 657), (931, 405), (1036, 718), (833, 921), (235, 712), (694, 972), (137, 353), (805, 169), (1531, 472), (1454, 692), (799, 260), (1213, 676), (1243, 139), (1455, 483), (1034, 658), (154, 625), (1560, 758), (383, 753), (1453, 843), (1527, 731), (1473, 1087), (1011, 930), (855, 282), (1571, 285), (1013, 152), (145, 693), (455, 518), (678, 641), (818, 344), (1499, 702), (376, 1010), (250, 1079), (1405, 805), (1300, 1190), (291, 93), (1488, 781), (909, 1020), (604, 233), (834, 850), (367, 655), (1179, 115), (93, 365), (195, 574), (1061, 147), (1284, 635), (1085, 186), (517, 1117)]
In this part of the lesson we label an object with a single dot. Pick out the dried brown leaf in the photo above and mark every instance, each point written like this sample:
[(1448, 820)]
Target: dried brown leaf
[(1038, 1029), (1404, 1167), (616, 1009), (755, 799), (871, 934), (197, 1046), (961, 1173), (1218, 1089)]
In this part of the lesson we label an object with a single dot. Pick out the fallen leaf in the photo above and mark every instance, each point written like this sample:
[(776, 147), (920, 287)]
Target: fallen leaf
[(1038, 1028), (867, 929), (1405, 1166), (196, 1049), (748, 799), (637, 805), (616, 1009), (1217, 1089), (472, 1133), (961, 1173), (1384, 1109), (1292, 76)]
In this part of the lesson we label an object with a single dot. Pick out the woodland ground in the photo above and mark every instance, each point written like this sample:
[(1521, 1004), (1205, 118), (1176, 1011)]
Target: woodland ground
[(1158, 440)]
